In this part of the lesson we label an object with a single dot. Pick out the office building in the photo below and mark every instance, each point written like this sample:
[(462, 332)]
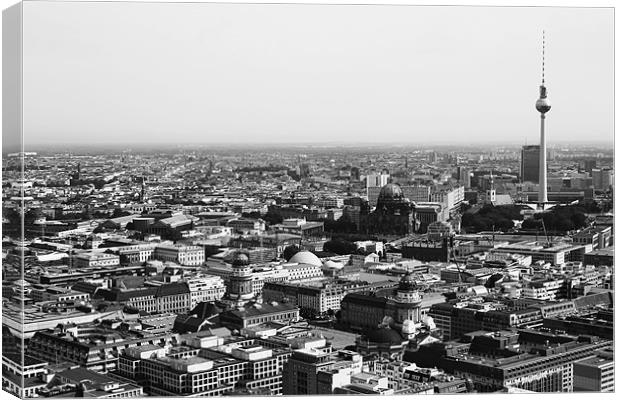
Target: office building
[(595, 373), (602, 178), (319, 370)]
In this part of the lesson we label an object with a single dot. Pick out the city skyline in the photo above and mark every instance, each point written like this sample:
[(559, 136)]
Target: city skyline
[(218, 199), (423, 74)]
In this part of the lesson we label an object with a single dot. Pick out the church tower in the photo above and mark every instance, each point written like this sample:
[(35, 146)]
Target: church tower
[(490, 195), (240, 291)]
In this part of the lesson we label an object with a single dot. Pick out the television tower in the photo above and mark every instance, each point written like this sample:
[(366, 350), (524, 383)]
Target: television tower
[(543, 106)]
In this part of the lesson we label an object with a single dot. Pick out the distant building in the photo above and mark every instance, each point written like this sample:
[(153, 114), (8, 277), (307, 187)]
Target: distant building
[(597, 237), (589, 165), (205, 288), (464, 176), (300, 227), (602, 178), (169, 297), (377, 180), (394, 213), (256, 314), (96, 260), (314, 299), (555, 254), (180, 254), (426, 250), (247, 225)]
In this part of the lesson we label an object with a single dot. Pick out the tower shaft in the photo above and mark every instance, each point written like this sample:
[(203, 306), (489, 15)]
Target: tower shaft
[(542, 177)]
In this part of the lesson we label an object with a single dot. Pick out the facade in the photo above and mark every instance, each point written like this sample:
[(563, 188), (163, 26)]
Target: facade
[(256, 314), (181, 254), (136, 254), (169, 297), (96, 260), (205, 288)]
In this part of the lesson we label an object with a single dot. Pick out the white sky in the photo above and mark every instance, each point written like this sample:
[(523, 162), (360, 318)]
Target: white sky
[(194, 73)]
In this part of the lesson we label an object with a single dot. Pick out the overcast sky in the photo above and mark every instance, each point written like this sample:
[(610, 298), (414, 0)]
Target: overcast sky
[(204, 73)]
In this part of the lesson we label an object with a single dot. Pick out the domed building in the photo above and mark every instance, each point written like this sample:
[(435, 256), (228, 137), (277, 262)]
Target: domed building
[(362, 311), (306, 257), (408, 301), (394, 214), (384, 341), (240, 289)]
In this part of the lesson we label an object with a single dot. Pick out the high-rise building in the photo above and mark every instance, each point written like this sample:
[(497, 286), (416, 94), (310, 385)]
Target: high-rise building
[(530, 163), (602, 178), (589, 165), (377, 180), (464, 175), (417, 194)]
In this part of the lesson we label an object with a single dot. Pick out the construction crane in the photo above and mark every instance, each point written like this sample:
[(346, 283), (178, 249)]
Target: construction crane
[(453, 255), (545, 231)]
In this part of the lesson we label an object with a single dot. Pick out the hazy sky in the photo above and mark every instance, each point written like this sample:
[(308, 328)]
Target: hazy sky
[(158, 72)]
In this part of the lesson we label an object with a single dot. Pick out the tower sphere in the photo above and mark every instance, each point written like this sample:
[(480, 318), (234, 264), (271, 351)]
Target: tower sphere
[(543, 105)]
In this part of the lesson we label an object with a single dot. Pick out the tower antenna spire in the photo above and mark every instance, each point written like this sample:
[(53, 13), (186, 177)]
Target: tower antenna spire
[(543, 57)]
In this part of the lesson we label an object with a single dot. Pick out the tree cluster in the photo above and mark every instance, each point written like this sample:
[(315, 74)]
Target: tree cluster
[(340, 247), (491, 217), (342, 225), (559, 219)]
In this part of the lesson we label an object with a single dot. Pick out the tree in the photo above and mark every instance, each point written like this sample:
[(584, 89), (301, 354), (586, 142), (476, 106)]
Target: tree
[(559, 219), (290, 251), (340, 247), (492, 217), (342, 225), (118, 212), (272, 218)]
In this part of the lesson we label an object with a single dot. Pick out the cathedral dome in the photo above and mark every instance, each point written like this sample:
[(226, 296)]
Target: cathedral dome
[(391, 191), (408, 282), (240, 259), (384, 335)]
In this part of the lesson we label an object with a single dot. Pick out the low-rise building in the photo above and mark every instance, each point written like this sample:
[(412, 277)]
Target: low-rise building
[(180, 254)]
